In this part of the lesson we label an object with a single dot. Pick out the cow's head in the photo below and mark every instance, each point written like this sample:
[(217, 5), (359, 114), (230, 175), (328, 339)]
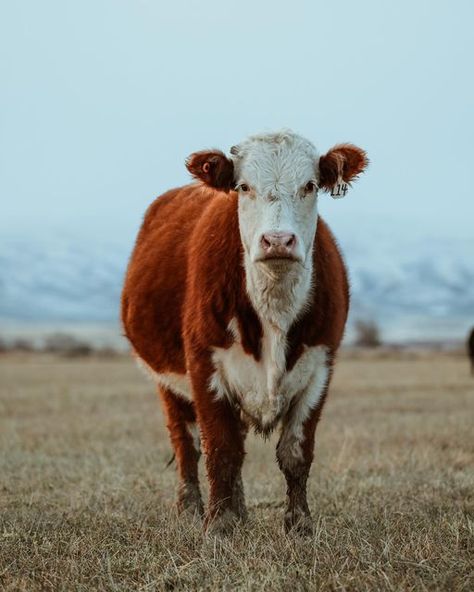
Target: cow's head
[(277, 177)]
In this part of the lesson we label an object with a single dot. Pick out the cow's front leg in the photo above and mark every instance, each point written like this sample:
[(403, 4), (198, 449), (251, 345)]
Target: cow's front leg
[(223, 436), (295, 456), (223, 442)]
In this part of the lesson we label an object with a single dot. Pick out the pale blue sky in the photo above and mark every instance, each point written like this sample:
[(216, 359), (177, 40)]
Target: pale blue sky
[(102, 100)]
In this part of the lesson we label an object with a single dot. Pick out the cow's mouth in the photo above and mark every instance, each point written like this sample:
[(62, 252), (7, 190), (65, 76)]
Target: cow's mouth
[(273, 258)]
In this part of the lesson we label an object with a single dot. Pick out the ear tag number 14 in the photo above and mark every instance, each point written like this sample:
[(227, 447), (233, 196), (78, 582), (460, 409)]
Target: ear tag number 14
[(339, 190)]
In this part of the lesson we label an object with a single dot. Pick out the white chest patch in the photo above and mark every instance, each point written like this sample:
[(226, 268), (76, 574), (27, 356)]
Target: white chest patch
[(264, 389)]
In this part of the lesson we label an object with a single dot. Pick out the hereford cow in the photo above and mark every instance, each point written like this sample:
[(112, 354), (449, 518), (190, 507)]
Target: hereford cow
[(235, 299)]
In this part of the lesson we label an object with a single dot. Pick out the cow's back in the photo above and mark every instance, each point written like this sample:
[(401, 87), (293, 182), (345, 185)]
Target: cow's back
[(155, 283)]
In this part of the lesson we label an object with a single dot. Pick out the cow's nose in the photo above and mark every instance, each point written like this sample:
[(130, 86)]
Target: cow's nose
[(278, 242)]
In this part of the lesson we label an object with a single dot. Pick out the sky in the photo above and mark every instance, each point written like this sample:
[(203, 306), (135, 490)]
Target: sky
[(101, 101)]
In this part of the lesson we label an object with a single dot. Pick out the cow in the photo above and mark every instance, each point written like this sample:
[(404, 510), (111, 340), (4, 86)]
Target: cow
[(235, 299), (470, 349)]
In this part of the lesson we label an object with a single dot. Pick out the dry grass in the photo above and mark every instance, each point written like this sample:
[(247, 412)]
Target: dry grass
[(86, 501)]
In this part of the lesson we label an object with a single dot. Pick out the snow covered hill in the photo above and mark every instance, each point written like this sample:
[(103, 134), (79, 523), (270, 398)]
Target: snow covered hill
[(414, 289)]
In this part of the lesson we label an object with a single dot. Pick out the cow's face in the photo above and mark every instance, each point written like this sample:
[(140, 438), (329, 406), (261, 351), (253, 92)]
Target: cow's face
[(277, 182), (277, 177)]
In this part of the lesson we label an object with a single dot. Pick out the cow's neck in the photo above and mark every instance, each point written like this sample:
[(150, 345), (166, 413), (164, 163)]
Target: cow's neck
[(279, 291)]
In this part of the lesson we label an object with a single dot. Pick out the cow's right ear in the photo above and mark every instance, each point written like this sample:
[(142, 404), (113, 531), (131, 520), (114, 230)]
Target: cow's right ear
[(212, 168)]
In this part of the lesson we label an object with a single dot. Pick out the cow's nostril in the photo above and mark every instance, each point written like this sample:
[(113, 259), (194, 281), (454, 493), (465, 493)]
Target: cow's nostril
[(276, 241)]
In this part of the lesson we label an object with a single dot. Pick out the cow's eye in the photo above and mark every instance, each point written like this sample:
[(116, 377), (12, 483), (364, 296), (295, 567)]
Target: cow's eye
[(244, 188), (309, 187)]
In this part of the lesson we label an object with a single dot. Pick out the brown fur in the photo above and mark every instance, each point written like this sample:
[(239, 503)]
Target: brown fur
[(180, 414), (213, 168), (344, 161), (185, 282)]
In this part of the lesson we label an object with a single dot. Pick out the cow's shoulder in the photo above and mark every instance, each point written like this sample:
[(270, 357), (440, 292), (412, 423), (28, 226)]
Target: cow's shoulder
[(215, 291)]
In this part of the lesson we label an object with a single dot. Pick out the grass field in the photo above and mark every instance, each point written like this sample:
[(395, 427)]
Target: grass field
[(87, 501)]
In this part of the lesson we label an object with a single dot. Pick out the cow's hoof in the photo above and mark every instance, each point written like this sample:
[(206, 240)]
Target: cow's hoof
[(190, 508), (242, 513), (220, 525), (190, 501), (298, 523)]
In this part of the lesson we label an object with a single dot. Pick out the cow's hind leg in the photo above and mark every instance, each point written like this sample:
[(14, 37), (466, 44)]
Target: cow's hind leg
[(184, 434)]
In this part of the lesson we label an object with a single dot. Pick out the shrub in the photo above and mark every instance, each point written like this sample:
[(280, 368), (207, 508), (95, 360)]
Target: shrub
[(66, 345), (367, 334)]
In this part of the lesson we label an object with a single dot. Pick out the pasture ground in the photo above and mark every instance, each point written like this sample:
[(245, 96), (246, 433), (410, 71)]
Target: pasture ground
[(87, 503)]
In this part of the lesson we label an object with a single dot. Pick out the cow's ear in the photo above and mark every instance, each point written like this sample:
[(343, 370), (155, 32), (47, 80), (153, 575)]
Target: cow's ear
[(212, 168), (343, 163)]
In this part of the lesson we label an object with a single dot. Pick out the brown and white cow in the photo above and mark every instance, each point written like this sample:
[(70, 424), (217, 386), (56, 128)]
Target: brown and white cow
[(235, 299)]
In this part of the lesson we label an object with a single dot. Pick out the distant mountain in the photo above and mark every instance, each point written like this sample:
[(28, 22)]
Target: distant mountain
[(60, 279), (414, 289)]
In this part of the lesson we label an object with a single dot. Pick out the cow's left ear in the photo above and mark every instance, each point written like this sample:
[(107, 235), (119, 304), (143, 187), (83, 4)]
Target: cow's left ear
[(212, 168), (343, 163)]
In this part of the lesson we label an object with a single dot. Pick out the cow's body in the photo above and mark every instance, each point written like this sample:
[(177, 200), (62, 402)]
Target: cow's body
[(231, 344)]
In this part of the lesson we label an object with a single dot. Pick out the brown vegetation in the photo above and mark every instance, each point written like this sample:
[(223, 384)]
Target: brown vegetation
[(367, 334), (86, 500), (59, 344)]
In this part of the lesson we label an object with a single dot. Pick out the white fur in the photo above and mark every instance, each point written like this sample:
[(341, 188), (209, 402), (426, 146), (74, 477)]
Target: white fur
[(195, 434), (178, 383), (264, 390), (289, 448), (276, 168)]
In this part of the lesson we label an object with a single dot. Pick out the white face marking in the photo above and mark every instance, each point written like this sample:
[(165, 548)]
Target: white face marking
[(264, 390), (276, 168)]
